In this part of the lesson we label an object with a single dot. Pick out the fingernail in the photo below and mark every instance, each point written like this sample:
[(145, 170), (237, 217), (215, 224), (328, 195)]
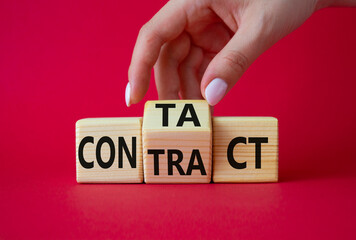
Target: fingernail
[(215, 91), (127, 94)]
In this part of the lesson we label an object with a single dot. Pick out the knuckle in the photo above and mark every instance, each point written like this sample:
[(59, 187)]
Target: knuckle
[(143, 30), (149, 34), (237, 61)]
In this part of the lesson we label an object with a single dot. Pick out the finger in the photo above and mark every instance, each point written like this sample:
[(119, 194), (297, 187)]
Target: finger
[(189, 74), (166, 25), (166, 68), (205, 63), (230, 63)]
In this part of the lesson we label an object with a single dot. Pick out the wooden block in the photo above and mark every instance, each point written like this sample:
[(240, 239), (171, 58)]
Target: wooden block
[(177, 141), (245, 149), (109, 150)]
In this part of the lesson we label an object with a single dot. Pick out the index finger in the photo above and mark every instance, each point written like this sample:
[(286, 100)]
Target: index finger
[(165, 26)]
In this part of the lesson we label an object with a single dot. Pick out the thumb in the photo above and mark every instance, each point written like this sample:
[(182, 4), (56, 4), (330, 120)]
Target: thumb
[(229, 64)]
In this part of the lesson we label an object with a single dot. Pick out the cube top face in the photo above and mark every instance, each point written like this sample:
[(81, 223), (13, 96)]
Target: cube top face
[(177, 147), (245, 149), (109, 122), (247, 121), (166, 114), (109, 150)]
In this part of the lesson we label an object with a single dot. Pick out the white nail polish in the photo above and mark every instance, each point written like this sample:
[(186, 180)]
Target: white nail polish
[(215, 91), (127, 94)]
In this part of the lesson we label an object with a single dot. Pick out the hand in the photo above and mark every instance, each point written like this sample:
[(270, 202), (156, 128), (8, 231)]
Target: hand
[(200, 48)]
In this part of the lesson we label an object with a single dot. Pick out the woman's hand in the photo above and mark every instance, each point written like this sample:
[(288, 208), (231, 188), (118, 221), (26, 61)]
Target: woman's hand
[(200, 48)]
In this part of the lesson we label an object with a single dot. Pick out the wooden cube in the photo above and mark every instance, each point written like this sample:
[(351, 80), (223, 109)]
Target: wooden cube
[(109, 150), (245, 149), (176, 137)]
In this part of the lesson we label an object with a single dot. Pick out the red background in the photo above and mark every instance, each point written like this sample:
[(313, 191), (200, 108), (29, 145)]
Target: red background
[(61, 61)]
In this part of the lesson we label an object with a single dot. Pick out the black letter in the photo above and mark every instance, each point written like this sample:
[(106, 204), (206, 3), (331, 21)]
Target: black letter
[(156, 153), (230, 153), (165, 107), (258, 141), (131, 158), (200, 165), (183, 117), (82, 161), (112, 152), (176, 162)]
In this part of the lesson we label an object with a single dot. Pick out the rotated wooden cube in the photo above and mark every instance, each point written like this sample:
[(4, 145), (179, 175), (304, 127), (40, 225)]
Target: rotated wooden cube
[(245, 149), (109, 150), (176, 139)]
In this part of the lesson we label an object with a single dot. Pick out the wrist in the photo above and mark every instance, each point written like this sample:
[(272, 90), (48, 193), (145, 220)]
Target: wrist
[(320, 4), (334, 3)]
